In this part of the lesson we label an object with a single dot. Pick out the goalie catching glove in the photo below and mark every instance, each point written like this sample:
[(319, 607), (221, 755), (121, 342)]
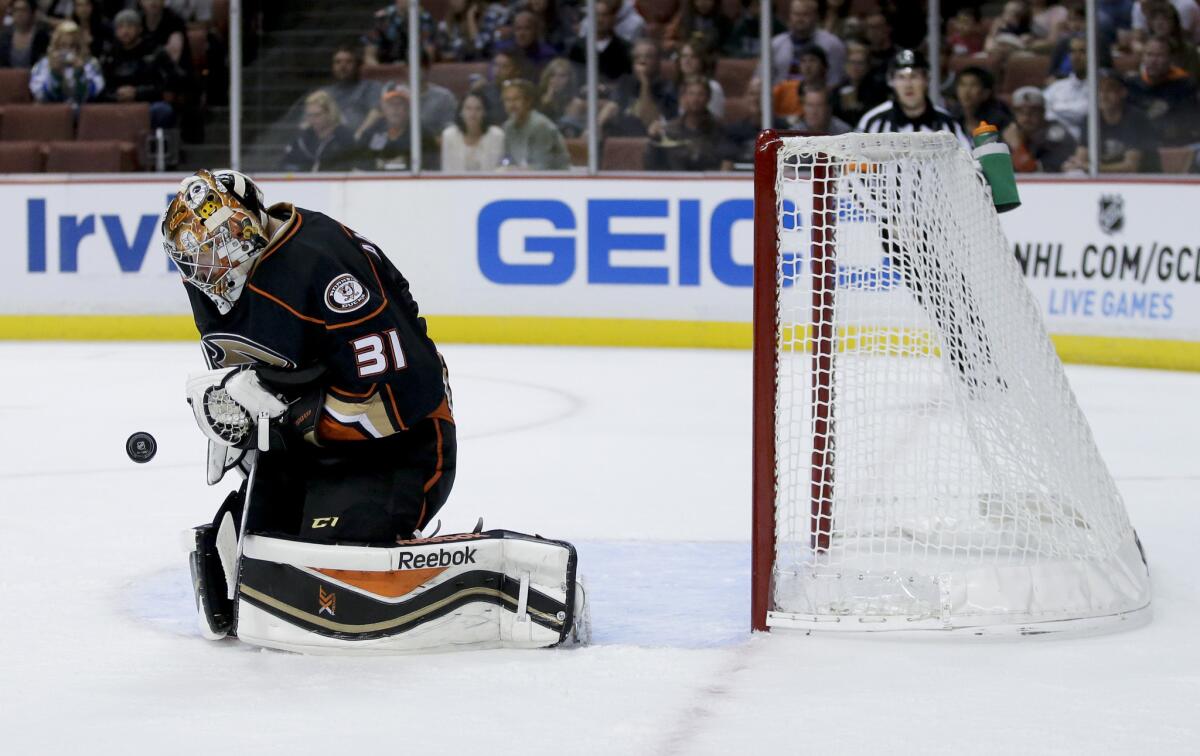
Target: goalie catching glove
[(227, 403)]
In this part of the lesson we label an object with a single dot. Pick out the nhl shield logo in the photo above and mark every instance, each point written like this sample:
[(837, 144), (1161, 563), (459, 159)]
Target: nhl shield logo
[(1112, 213)]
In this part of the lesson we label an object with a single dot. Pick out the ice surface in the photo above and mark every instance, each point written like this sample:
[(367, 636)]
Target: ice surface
[(643, 458)]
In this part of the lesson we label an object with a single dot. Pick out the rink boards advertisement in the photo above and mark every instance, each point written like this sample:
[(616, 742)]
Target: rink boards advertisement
[(1114, 266)]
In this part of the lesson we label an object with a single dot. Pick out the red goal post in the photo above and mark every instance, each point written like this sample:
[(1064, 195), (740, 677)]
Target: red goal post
[(766, 324)]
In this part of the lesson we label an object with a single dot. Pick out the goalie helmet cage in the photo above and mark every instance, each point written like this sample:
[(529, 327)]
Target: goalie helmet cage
[(920, 462)]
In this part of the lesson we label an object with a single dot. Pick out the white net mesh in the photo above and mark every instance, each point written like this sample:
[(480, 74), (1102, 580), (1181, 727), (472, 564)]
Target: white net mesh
[(225, 417), (933, 467)]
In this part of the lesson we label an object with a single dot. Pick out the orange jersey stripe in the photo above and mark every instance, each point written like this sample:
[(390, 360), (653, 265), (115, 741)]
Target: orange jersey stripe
[(272, 249), (354, 395), (329, 429), (437, 427), (443, 412), (291, 232), (282, 304)]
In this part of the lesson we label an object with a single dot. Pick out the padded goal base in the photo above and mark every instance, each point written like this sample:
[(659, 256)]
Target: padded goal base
[(1035, 599)]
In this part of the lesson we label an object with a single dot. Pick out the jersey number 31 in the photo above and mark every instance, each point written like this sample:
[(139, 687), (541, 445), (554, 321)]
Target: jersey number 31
[(375, 353)]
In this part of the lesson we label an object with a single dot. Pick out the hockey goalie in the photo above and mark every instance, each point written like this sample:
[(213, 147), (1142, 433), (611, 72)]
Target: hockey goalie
[(326, 394)]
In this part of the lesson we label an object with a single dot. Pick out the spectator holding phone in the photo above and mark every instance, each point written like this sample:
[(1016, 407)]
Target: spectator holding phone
[(68, 72)]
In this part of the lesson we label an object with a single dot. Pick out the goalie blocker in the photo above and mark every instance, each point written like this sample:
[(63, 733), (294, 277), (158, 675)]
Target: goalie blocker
[(493, 589)]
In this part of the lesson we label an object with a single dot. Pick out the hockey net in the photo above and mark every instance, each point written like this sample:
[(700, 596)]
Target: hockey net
[(920, 460)]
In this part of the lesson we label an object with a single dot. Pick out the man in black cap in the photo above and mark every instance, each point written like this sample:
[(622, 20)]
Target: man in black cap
[(909, 108)]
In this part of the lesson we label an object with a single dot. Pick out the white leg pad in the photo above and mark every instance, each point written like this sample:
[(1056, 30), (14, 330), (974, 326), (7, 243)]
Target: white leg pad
[(496, 589)]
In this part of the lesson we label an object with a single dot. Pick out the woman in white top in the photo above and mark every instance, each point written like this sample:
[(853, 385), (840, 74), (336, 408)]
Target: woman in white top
[(471, 143)]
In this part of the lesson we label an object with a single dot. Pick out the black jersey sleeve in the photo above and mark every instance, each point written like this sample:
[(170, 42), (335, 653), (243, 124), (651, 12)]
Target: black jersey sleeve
[(385, 373)]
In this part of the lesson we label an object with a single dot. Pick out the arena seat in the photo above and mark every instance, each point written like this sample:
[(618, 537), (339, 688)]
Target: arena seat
[(128, 123), (659, 11), (38, 122), (733, 74), (386, 72), (577, 148), (125, 122), (456, 76), (738, 109), (863, 8), (88, 157), (956, 63), (220, 17), (1177, 159), (437, 8), (1025, 70), (22, 157), (1126, 63), (198, 42), (14, 85), (624, 154)]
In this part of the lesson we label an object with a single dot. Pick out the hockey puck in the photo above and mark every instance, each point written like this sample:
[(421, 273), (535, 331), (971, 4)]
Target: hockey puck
[(141, 447)]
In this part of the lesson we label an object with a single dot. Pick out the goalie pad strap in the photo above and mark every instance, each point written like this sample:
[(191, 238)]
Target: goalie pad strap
[(436, 594)]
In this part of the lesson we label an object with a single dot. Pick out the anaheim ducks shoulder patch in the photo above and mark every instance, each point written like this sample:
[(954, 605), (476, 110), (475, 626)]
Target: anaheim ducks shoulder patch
[(345, 294)]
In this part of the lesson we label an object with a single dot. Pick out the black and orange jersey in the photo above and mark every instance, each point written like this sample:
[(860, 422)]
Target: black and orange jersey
[(325, 299)]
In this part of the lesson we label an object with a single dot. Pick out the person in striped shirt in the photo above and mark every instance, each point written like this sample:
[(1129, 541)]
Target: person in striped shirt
[(937, 283), (909, 108)]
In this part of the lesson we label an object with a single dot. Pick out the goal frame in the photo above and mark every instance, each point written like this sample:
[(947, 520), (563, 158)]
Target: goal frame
[(1114, 584)]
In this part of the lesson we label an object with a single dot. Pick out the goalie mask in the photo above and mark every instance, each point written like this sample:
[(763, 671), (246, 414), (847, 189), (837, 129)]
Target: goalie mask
[(213, 230)]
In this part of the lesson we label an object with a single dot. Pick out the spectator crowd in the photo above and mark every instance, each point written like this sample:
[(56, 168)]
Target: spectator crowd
[(679, 80), (109, 51)]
